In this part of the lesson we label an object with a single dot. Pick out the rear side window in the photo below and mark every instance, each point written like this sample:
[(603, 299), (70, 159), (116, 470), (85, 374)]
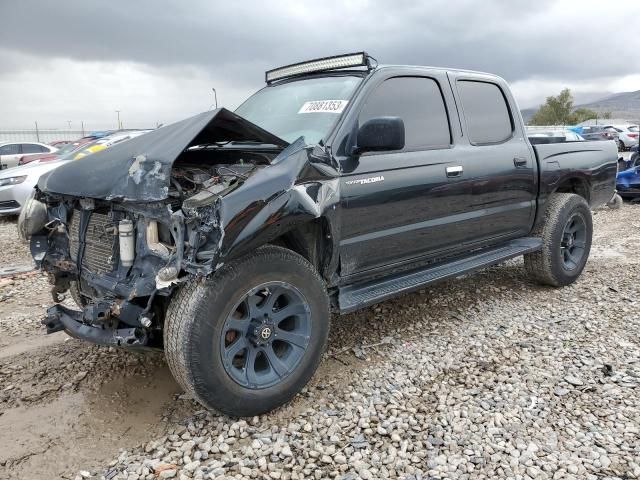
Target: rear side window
[(485, 111), (419, 103), (33, 148)]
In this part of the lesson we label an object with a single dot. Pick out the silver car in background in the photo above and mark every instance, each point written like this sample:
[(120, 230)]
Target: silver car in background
[(16, 184)]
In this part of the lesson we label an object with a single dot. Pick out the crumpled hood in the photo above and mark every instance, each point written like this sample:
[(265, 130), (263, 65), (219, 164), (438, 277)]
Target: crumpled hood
[(139, 169)]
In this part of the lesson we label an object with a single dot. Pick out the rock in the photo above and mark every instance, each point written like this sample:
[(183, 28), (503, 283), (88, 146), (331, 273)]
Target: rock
[(560, 392), (575, 381), (340, 459)]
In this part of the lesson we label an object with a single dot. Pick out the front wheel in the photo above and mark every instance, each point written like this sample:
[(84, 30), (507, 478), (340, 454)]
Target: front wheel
[(566, 233), (248, 339)]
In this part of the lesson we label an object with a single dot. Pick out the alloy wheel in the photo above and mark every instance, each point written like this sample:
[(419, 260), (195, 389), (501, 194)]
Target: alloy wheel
[(265, 336)]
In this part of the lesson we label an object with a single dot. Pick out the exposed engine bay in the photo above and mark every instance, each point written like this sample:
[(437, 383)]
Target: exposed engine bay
[(115, 258)]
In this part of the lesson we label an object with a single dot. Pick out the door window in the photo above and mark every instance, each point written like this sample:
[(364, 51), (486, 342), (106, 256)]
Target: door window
[(33, 148), (11, 149), (418, 101), (486, 112)]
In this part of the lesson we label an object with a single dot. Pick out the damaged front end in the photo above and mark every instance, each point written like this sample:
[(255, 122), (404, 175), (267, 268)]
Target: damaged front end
[(123, 228)]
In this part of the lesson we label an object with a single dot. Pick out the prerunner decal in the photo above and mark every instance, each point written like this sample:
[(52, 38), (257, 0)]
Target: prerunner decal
[(323, 106)]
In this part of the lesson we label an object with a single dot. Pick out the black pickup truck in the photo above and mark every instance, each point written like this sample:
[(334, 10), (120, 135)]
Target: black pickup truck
[(227, 238)]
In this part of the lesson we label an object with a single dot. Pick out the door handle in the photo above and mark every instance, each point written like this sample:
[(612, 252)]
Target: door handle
[(520, 162), (453, 172)]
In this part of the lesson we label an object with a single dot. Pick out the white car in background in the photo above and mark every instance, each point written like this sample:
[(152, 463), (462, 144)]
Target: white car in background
[(627, 135), (11, 152), (564, 135)]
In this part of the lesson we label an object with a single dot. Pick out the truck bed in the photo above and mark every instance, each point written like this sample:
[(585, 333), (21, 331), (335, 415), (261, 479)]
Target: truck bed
[(594, 163)]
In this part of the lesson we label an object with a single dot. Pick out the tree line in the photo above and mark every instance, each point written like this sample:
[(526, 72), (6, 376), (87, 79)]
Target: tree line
[(559, 110)]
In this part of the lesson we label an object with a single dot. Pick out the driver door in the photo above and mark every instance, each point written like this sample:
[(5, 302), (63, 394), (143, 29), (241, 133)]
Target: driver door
[(398, 206)]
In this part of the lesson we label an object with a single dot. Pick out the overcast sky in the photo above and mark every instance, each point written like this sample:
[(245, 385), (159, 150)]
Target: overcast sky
[(156, 61)]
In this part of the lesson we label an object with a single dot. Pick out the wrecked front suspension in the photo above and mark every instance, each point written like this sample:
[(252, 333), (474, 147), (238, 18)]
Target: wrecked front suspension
[(71, 321)]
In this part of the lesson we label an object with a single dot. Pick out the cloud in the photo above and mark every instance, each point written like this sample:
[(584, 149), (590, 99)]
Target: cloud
[(181, 49), (64, 90)]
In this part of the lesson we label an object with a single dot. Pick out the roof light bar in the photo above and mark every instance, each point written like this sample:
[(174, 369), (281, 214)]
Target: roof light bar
[(360, 59)]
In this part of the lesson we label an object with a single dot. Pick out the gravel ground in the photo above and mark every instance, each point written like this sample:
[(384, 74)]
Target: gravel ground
[(484, 377)]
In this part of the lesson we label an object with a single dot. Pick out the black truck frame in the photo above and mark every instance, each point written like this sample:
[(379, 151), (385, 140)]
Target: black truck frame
[(225, 244)]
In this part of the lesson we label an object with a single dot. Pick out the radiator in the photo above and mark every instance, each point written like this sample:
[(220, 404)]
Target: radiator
[(101, 245)]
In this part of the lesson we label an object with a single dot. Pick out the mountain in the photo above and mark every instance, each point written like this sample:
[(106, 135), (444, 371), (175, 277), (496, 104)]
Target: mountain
[(621, 105)]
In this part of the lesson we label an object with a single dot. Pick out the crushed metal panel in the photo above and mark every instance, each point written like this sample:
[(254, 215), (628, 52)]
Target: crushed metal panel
[(139, 169)]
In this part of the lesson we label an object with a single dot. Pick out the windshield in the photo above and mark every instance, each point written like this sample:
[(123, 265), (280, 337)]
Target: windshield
[(71, 155), (307, 108), (633, 129), (69, 147)]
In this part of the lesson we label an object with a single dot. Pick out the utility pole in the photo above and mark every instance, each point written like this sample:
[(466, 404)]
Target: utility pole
[(69, 122), (215, 99), (37, 133), (82, 126), (119, 126)]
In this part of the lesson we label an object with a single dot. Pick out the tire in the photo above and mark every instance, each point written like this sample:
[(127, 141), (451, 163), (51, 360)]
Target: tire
[(201, 319), (615, 203), (621, 146), (549, 266)]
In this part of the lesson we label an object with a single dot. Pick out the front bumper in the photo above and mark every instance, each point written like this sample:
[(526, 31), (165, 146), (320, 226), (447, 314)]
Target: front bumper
[(71, 321), (12, 197)]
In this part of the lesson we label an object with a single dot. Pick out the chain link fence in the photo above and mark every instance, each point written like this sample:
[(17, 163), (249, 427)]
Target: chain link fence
[(39, 135)]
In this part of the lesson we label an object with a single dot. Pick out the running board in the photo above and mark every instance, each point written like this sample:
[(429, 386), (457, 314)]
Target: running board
[(360, 295)]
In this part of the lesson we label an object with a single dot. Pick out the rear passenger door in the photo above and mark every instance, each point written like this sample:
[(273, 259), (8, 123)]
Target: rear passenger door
[(498, 163)]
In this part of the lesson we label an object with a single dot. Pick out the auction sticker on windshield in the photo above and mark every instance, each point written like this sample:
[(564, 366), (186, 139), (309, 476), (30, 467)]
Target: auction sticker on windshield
[(323, 106)]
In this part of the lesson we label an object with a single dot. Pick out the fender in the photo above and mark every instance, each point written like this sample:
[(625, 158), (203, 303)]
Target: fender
[(299, 187), (583, 171)]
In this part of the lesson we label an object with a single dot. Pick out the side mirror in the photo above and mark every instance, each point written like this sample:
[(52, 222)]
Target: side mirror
[(380, 134)]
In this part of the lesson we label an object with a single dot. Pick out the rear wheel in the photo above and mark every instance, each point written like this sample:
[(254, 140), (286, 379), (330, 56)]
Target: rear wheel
[(566, 234), (621, 146), (248, 339), (615, 203)]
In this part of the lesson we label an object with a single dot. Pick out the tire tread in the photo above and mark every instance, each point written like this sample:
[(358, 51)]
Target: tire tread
[(187, 303), (539, 265)]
